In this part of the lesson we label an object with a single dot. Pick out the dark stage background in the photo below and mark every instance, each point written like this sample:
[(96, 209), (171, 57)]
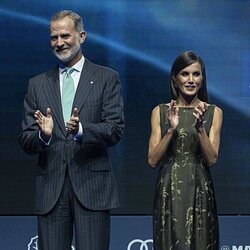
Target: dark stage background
[(139, 39)]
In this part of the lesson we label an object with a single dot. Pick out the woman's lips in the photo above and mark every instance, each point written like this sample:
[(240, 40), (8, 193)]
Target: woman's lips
[(190, 87)]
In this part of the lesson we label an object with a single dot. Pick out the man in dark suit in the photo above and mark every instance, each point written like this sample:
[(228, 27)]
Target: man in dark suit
[(75, 183)]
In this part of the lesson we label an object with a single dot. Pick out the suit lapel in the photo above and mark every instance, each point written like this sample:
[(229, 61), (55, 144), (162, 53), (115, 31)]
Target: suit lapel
[(86, 83), (52, 91)]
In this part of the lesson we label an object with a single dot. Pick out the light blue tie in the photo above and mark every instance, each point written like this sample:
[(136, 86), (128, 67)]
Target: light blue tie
[(68, 93)]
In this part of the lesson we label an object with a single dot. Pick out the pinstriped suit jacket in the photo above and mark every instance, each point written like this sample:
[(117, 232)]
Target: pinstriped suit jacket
[(99, 102)]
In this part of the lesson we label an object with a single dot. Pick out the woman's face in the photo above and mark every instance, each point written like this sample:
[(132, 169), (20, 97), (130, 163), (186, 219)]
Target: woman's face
[(189, 80)]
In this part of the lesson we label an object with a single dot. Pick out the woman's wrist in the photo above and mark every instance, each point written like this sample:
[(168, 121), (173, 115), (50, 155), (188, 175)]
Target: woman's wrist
[(200, 128), (171, 130)]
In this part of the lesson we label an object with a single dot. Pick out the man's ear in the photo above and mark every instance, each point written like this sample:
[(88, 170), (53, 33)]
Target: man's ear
[(83, 35)]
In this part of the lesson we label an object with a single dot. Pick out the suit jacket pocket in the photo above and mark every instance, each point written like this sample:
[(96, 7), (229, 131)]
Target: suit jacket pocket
[(42, 163), (100, 167)]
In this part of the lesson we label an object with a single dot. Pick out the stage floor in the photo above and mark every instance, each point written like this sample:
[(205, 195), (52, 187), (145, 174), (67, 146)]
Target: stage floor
[(127, 233)]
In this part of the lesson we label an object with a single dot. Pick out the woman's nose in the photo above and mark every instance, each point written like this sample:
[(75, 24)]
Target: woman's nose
[(191, 79)]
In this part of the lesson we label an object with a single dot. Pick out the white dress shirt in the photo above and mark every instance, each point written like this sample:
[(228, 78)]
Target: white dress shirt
[(76, 74)]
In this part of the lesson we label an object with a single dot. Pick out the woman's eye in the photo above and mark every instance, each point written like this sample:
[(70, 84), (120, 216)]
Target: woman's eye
[(197, 74), (184, 74)]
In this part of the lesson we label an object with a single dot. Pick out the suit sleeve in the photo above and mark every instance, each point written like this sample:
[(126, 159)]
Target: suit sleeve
[(29, 136), (109, 131)]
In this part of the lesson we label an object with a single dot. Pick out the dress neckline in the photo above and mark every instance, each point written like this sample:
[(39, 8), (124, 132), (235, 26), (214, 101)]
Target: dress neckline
[(186, 107)]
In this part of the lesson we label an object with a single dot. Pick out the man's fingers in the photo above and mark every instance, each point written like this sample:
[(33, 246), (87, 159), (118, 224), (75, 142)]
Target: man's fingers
[(72, 124), (48, 112), (37, 114), (75, 112)]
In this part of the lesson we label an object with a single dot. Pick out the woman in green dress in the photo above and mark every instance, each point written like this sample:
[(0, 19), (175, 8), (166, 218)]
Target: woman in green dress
[(184, 144)]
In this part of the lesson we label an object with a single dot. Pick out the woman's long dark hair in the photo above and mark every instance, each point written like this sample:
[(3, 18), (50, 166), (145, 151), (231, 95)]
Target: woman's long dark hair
[(182, 61)]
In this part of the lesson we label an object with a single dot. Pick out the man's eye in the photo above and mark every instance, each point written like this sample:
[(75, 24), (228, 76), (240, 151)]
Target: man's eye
[(65, 36)]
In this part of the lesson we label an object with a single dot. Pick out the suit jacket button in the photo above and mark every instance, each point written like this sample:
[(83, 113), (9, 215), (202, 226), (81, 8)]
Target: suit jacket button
[(63, 161)]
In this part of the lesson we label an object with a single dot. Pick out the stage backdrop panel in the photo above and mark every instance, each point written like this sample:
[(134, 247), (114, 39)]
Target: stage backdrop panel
[(139, 39)]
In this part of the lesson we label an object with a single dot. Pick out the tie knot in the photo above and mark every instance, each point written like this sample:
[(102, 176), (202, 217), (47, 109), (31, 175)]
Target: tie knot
[(69, 71)]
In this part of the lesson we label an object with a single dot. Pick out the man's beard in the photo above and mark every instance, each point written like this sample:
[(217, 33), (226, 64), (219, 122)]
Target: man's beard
[(67, 57)]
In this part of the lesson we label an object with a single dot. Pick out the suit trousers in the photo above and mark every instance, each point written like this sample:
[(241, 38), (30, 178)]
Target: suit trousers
[(55, 229)]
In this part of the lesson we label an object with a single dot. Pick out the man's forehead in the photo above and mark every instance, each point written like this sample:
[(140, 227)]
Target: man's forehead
[(62, 27), (62, 23)]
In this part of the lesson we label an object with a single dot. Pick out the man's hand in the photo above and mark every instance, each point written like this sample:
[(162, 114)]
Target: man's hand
[(45, 123), (72, 126)]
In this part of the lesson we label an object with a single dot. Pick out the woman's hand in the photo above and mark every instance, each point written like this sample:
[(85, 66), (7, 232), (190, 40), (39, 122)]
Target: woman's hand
[(199, 113), (173, 115)]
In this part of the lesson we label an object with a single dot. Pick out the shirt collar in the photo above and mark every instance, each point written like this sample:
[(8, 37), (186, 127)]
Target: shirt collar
[(78, 66)]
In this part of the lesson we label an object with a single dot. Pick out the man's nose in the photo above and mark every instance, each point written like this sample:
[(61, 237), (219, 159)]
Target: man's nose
[(60, 42)]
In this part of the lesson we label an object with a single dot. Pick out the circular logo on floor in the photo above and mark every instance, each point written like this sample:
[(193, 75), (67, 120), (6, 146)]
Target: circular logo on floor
[(33, 244), (138, 244)]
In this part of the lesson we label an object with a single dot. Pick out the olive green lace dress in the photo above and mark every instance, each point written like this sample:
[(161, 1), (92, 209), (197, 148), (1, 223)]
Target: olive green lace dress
[(185, 215)]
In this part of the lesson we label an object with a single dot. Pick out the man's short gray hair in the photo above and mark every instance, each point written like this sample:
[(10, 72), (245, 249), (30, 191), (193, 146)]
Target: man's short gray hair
[(68, 13)]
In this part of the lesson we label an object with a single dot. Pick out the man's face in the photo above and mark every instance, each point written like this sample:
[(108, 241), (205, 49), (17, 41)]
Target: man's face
[(65, 41)]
